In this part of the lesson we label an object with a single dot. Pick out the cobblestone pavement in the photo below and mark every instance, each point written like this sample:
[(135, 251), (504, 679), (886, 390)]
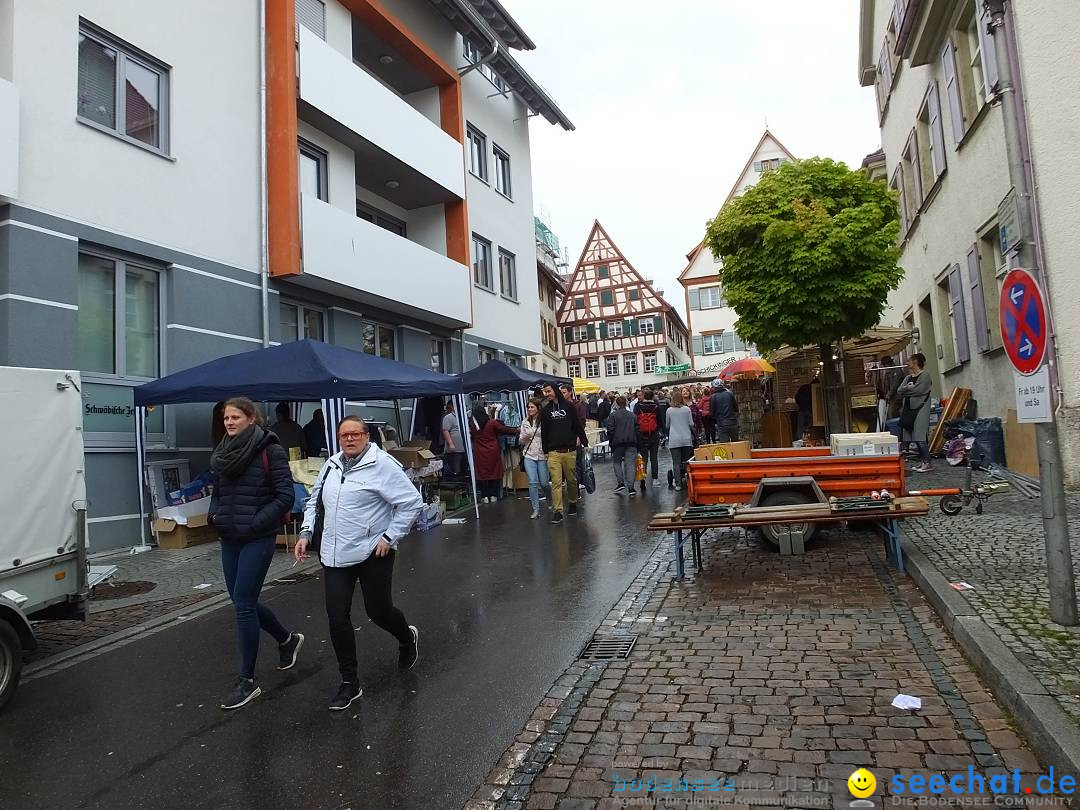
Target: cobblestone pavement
[(772, 675), (1001, 553)]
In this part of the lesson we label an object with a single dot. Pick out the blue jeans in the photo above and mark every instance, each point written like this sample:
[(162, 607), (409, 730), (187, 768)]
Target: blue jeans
[(924, 451), (538, 476), (245, 566)]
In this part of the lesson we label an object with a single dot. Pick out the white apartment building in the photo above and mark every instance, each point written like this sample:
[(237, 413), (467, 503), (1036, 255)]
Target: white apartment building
[(158, 210), (713, 339), (934, 69)]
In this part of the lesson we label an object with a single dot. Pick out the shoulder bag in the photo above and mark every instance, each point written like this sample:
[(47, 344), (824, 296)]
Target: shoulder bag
[(320, 515), (521, 464)]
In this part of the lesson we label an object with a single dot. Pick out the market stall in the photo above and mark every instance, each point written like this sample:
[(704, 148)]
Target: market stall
[(300, 371), (747, 378)]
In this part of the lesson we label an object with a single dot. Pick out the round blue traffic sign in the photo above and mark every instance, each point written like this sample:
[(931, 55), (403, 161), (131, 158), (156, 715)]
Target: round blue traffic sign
[(1023, 321)]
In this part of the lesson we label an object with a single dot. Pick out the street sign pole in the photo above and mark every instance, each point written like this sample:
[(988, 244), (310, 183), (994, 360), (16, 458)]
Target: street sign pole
[(1055, 524)]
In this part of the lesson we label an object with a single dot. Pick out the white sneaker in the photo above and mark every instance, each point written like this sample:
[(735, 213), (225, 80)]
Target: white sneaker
[(921, 468), (535, 514)]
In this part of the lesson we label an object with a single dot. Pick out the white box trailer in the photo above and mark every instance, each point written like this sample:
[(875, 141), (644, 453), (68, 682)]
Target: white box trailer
[(43, 536)]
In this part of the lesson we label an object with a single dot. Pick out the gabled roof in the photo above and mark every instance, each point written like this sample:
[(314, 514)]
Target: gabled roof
[(736, 188)]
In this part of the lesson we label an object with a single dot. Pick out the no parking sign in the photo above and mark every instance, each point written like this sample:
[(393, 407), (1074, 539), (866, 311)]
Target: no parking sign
[(1024, 330)]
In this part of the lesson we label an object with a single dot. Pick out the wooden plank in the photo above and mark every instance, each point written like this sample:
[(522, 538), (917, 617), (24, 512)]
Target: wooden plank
[(1021, 448), (954, 409)]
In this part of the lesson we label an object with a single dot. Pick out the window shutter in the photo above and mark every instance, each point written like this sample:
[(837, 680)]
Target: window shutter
[(607, 298), (886, 72), (987, 49), (952, 90), (898, 16), (658, 324), (312, 15), (978, 301), (695, 298), (698, 345), (898, 183), (629, 327), (757, 165), (959, 321), (590, 332), (568, 335), (603, 330), (937, 130), (912, 153)]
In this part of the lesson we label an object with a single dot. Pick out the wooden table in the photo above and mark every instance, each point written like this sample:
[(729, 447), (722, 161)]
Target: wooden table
[(747, 517)]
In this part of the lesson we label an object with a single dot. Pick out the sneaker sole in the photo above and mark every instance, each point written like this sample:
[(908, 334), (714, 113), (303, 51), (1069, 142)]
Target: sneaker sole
[(254, 694), (416, 644), (352, 700), (295, 653)]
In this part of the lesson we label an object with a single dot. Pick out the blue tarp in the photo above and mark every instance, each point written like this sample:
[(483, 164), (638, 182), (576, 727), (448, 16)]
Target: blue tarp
[(496, 375), (304, 370)]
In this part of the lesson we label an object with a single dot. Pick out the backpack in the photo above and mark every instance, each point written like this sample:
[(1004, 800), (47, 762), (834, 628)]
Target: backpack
[(705, 405), (265, 455), (646, 421)]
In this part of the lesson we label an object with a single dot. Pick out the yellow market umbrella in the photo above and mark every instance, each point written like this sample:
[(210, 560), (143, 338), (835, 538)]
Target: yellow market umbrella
[(584, 386)]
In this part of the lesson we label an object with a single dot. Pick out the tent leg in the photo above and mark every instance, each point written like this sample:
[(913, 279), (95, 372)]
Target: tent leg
[(140, 460)]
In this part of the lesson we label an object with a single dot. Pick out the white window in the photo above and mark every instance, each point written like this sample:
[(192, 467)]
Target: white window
[(629, 364), (614, 329), (580, 333), (483, 276), (507, 275), (592, 367), (502, 172), (649, 361), (477, 144), (646, 326), (119, 322), (611, 366), (711, 298), (575, 367), (438, 356), (122, 90), (313, 171), (301, 322), (712, 344)]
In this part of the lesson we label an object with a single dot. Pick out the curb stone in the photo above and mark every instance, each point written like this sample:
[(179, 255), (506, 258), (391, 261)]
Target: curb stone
[(1050, 731)]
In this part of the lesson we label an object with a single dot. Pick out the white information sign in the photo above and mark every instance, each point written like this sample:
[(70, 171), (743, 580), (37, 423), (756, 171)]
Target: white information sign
[(1034, 402)]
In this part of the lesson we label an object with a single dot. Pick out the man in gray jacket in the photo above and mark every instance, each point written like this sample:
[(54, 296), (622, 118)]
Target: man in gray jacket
[(724, 409), (622, 438)]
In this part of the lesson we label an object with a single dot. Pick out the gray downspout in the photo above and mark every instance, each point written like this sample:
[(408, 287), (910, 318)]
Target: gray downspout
[(264, 257)]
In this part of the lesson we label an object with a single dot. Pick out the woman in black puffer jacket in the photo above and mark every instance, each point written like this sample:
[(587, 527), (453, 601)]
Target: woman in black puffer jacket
[(252, 496)]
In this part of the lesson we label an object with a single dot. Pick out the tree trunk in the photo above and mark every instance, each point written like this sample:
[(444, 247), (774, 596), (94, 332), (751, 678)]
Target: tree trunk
[(834, 391)]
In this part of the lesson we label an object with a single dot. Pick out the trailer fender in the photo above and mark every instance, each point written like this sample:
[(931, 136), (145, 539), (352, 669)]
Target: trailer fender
[(10, 613)]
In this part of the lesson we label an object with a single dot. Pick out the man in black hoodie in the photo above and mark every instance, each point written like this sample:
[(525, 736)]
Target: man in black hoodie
[(561, 431)]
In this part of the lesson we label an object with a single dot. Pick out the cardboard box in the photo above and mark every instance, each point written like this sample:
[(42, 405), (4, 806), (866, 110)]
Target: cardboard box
[(411, 457), (172, 534), (521, 480), (864, 444), (722, 452)]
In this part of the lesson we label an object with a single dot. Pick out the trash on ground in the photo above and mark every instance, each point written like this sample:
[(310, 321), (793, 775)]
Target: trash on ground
[(961, 586), (204, 586), (907, 702)]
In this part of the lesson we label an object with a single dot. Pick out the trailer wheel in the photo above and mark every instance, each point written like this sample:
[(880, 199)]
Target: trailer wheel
[(790, 498), (951, 504), (11, 661)]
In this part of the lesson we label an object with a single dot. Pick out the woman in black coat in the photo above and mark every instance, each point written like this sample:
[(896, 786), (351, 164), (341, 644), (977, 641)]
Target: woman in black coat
[(252, 497)]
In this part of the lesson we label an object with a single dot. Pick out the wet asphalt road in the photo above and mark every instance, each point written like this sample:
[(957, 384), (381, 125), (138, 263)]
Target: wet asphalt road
[(503, 607)]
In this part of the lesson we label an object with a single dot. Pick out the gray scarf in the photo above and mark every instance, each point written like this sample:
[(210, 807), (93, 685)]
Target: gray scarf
[(232, 456)]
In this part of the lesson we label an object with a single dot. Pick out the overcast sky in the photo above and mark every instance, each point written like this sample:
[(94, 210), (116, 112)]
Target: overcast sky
[(669, 97)]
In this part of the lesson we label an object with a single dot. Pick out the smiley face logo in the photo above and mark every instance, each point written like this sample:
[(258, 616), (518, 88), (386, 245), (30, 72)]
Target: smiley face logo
[(861, 783)]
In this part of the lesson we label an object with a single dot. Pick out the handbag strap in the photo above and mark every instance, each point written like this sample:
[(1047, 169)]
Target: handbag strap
[(531, 440)]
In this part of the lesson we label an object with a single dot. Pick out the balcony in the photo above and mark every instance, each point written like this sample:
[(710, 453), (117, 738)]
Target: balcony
[(393, 142), (9, 140), (354, 259)]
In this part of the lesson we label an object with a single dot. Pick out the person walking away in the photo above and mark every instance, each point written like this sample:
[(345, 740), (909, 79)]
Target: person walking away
[(562, 433), (708, 424), (368, 506), (288, 431), (914, 394), (887, 380), (604, 408), (622, 438), (680, 425), (315, 434), (530, 438), (487, 455), (725, 414), (804, 404), (253, 494), (663, 402), (648, 433), (453, 446)]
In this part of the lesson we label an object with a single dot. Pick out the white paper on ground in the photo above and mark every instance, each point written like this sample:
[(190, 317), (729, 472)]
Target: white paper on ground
[(203, 586), (961, 586), (906, 702)]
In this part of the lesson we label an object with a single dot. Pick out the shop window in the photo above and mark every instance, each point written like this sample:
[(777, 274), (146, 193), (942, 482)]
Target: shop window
[(119, 323)]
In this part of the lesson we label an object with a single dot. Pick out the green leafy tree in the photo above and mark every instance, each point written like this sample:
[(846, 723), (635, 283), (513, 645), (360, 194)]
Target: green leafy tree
[(809, 256)]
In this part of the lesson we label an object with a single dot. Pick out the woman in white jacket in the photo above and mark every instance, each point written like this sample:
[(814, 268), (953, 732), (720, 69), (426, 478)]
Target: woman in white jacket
[(368, 505)]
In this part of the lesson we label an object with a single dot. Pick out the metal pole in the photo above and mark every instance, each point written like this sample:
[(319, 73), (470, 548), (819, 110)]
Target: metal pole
[(1055, 524)]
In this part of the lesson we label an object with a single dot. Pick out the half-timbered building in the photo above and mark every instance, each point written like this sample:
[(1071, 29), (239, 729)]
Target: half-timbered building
[(617, 329)]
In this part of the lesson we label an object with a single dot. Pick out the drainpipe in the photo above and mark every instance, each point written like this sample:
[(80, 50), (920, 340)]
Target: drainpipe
[(1051, 482), (264, 254), (483, 60)]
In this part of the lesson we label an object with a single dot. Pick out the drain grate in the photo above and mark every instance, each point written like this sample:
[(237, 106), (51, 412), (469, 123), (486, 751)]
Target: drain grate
[(608, 647)]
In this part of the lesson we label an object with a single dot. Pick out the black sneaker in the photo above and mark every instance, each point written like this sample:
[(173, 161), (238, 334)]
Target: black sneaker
[(243, 692), (670, 479), (633, 492), (571, 509), (556, 517), (346, 694), (288, 652), (620, 489), (409, 654), (642, 486)]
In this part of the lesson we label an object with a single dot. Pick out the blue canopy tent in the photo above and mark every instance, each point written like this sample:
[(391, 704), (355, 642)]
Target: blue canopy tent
[(304, 370)]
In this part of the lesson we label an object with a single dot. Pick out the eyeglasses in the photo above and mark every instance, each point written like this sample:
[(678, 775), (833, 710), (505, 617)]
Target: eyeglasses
[(351, 437)]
